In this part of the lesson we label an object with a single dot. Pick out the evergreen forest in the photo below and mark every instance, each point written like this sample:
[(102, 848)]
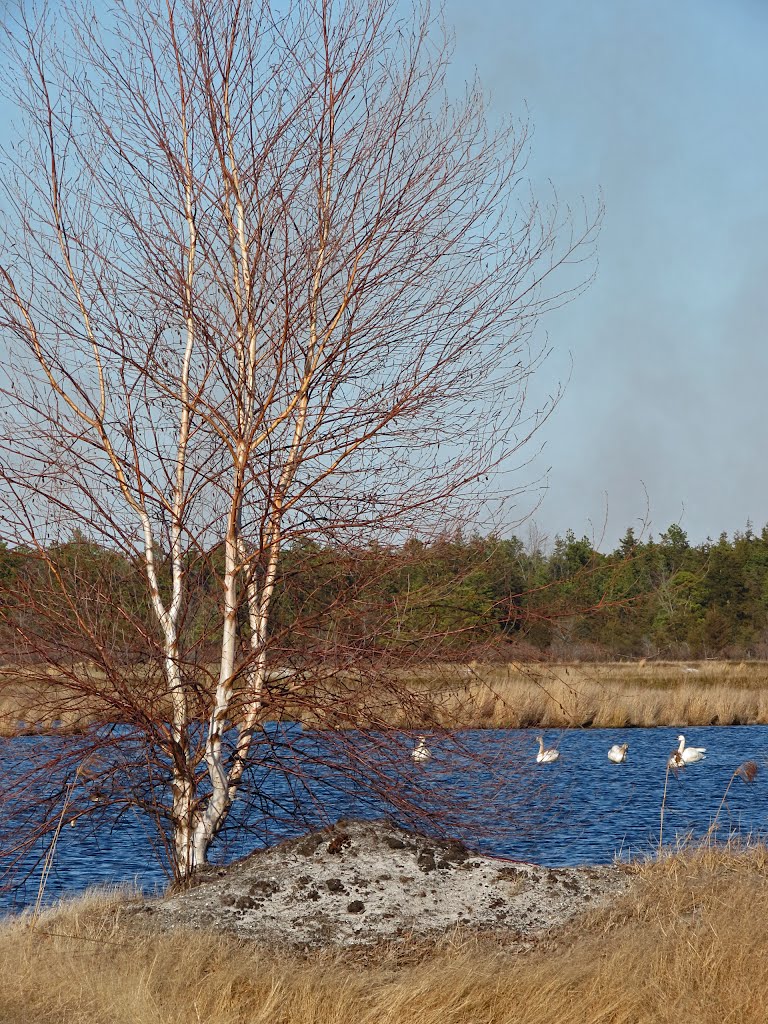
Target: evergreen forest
[(456, 597)]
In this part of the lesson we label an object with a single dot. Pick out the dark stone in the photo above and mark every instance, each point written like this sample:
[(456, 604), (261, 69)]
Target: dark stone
[(246, 903), (338, 843), (309, 845), (335, 885), (455, 851), (393, 843), (266, 886), (426, 862), (313, 894), (356, 907)]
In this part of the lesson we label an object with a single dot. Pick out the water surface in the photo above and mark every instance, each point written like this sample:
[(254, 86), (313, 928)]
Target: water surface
[(485, 785)]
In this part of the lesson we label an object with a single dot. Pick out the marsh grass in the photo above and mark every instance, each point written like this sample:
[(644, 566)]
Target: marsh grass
[(687, 939), (516, 695), (36, 700), (605, 695)]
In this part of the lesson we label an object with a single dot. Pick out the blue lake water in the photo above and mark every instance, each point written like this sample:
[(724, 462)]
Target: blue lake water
[(481, 785)]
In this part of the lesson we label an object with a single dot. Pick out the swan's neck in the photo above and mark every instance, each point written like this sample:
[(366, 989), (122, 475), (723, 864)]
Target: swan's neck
[(541, 745), (681, 748)]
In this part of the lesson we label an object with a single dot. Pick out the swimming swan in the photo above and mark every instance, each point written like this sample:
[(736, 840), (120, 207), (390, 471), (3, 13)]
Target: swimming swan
[(546, 756), (618, 753), (421, 751), (690, 754)]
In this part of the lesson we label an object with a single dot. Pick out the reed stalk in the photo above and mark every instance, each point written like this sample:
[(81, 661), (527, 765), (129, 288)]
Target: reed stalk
[(746, 771), (663, 806), (51, 853)]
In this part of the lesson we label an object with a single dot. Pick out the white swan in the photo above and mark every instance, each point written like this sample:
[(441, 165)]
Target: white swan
[(618, 753), (690, 754), (546, 756), (421, 751)]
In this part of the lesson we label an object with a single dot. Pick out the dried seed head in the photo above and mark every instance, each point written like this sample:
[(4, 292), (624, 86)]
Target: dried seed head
[(748, 771)]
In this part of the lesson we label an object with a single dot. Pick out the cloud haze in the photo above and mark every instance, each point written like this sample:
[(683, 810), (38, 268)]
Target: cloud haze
[(663, 108)]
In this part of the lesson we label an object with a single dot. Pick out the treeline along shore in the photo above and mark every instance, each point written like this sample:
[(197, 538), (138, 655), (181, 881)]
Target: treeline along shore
[(659, 599), (485, 631)]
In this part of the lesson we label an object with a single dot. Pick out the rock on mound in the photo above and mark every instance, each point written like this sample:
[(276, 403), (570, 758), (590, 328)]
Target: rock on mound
[(362, 881)]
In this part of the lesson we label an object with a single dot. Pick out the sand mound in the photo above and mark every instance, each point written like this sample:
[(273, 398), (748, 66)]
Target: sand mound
[(364, 881)]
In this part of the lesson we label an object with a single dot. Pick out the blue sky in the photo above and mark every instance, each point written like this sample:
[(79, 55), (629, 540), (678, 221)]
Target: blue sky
[(663, 107)]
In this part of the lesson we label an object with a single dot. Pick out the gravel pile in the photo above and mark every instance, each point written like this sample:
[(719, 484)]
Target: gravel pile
[(360, 882)]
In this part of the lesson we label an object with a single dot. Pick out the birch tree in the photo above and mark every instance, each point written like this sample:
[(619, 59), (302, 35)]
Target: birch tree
[(262, 283)]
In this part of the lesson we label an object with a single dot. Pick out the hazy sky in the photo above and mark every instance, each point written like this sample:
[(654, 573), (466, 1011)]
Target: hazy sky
[(662, 105)]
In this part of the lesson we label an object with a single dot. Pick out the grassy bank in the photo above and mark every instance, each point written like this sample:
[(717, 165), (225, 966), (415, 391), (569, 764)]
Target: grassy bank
[(687, 942), (519, 695), (605, 695)]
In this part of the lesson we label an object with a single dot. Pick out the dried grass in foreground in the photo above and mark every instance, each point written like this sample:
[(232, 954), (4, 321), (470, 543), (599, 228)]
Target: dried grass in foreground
[(687, 942)]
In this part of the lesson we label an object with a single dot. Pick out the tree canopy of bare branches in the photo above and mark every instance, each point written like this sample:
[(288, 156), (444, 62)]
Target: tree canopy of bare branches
[(262, 284)]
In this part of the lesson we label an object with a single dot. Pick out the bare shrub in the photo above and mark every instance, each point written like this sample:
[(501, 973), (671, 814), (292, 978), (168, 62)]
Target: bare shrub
[(266, 291)]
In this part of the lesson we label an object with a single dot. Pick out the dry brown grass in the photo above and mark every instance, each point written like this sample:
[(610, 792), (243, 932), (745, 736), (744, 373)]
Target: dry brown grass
[(689, 939), (611, 695), (35, 700), (520, 695)]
